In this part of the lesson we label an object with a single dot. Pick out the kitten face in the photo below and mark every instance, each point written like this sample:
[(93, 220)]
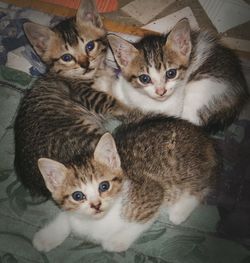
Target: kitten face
[(156, 79), (89, 190), (156, 65), (92, 194), (74, 48)]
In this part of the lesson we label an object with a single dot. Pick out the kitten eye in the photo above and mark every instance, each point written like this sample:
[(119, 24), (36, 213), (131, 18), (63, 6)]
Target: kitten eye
[(78, 196), (104, 186), (170, 74), (144, 79), (67, 57), (90, 46)]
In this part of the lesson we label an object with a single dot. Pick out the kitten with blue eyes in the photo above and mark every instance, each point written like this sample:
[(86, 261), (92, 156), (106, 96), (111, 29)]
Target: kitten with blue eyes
[(74, 48), (115, 195), (98, 202), (183, 73)]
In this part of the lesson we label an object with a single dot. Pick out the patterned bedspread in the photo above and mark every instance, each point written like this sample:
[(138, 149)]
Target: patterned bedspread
[(218, 231)]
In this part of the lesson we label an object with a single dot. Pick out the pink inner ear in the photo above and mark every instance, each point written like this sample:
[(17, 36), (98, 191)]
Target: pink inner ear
[(90, 16), (40, 45), (113, 161), (52, 181), (122, 56), (183, 42)]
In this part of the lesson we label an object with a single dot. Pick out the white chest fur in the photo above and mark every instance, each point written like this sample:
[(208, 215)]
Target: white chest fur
[(112, 231), (97, 230), (199, 94)]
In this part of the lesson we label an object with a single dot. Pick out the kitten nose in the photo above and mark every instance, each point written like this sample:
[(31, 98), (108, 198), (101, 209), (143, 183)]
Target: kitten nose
[(160, 91), (84, 63), (96, 206)]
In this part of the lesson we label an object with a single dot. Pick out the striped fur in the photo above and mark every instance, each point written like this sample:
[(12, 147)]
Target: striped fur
[(59, 119), (62, 116)]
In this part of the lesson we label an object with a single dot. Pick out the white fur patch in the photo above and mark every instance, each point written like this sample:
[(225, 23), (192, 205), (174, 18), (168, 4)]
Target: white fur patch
[(199, 94), (111, 231), (53, 234), (180, 210)]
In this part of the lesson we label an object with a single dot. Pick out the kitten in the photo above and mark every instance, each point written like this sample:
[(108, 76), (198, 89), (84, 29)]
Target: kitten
[(62, 115), (119, 192), (186, 74), (75, 48)]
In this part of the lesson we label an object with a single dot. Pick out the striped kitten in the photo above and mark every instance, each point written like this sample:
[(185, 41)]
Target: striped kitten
[(118, 193), (184, 73), (62, 116), (75, 48)]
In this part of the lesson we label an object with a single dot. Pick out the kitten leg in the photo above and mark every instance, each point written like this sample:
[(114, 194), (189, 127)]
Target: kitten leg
[(123, 239), (53, 234), (180, 210)]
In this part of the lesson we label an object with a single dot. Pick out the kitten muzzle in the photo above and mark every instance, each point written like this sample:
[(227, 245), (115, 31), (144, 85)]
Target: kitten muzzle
[(160, 91), (96, 206), (85, 64)]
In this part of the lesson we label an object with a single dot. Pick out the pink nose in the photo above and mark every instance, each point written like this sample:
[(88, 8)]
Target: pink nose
[(96, 206), (160, 91)]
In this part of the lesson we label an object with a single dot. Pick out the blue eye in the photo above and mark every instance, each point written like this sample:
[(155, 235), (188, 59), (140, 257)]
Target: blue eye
[(78, 196), (90, 46), (67, 57), (104, 186), (170, 74), (144, 79)]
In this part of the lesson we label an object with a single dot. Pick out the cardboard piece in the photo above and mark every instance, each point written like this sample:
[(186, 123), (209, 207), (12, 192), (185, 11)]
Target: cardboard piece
[(165, 24), (226, 14), (145, 10)]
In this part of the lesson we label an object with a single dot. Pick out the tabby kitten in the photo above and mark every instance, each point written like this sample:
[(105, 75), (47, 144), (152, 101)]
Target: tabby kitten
[(62, 116), (184, 73), (119, 192), (75, 48)]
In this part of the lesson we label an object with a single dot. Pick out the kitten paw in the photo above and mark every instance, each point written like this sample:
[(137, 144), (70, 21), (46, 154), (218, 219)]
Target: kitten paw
[(177, 217), (43, 241), (117, 246), (181, 210)]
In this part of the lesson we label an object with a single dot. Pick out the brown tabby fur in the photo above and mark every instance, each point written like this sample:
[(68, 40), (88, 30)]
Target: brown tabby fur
[(62, 116)]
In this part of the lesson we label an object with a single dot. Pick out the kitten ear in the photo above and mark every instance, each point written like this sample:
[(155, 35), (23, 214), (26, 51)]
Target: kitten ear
[(39, 36), (53, 173), (87, 12), (123, 51), (106, 152), (179, 39)]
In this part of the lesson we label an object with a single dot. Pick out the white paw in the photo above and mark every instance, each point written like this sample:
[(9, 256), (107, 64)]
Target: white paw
[(177, 216), (44, 241), (181, 210), (113, 246)]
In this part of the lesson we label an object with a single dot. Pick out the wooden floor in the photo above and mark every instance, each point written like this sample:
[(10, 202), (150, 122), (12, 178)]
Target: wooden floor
[(53, 9)]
